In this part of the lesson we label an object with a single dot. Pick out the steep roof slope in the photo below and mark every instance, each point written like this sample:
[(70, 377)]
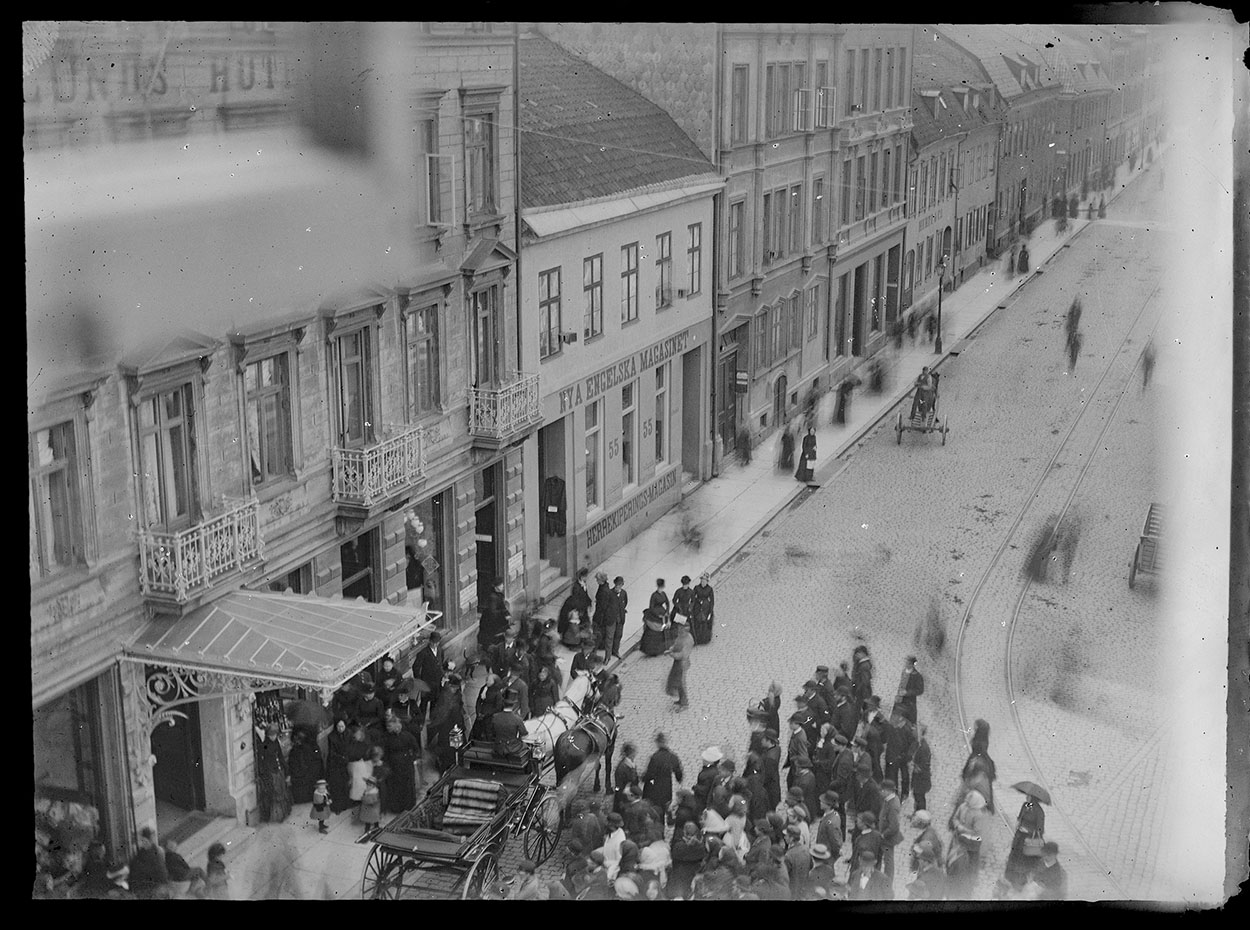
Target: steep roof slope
[(586, 135)]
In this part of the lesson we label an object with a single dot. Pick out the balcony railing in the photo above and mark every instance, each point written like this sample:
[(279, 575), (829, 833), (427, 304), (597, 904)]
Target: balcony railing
[(177, 566), (498, 414), (375, 473)]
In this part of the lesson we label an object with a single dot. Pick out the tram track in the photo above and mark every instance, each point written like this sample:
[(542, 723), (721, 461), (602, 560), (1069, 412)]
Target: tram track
[(995, 564)]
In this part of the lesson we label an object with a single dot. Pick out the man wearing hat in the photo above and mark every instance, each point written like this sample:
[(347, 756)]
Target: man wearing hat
[(821, 878), (798, 862), (829, 828), (930, 882), (369, 708), (811, 727), (663, 768), (770, 766), (508, 727), (866, 882), (526, 886), (842, 779), (910, 686), (827, 689), (872, 729), (921, 768), (620, 603), (428, 667), (922, 822), (407, 710), (683, 646), (843, 714), (584, 659), (889, 818), (865, 797), (817, 706), (603, 615), (515, 681), (798, 748), (805, 782), (707, 776), (502, 654), (489, 702)]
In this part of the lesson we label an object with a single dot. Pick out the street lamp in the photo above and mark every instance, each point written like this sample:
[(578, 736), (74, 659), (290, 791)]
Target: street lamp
[(937, 343)]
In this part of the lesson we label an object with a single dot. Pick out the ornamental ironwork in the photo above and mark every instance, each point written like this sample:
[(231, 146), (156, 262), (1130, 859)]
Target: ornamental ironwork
[(168, 689), (499, 413)]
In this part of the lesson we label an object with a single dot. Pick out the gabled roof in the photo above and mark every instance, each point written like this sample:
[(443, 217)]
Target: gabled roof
[(1015, 66), (585, 135), (952, 118), (168, 351), (1069, 53)]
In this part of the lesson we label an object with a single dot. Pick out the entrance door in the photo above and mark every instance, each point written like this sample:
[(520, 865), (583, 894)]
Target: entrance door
[(691, 413), (554, 516), (178, 776), (779, 401), (727, 401), (858, 305), (486, 530)]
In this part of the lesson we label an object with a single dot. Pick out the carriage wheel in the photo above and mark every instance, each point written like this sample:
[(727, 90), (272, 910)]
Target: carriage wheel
[(1132, 569), (384, 876), (483, 872), (543, 830), (898, 429)]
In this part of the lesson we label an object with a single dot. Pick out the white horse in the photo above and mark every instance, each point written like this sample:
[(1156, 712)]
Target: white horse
[(542, 732)]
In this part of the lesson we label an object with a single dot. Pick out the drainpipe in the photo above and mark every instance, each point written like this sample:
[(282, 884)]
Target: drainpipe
[(714, 351), (516, 183)]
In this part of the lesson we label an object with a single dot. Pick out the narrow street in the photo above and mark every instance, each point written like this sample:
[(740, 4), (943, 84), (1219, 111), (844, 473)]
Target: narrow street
[(908, 525)]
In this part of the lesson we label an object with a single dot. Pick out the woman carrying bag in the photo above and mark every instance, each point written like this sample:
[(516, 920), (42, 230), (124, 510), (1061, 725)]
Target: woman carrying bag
[(804, 471), (1026, 844)]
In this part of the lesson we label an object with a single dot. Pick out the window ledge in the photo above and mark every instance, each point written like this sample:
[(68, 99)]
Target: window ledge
[(587, 340), (626, 323), (275, 487), (550, 355)]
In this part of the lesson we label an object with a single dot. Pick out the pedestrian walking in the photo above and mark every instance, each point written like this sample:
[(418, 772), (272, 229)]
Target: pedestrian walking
[(216, 877), (321, 805), (861, 676), (910, 687), (926, 835), (618, 614), (273, 790), (1147, 363), (785, 457), (702, 611), (655, 622), (1050, 879), (921, 769), (680, 651), (963, 861), (979, 771), (626, 774), (492, 617), (683, 600), (1074, 350), (578, 600), (807, 457), (1026, 843), (428, 666), (1011, 263), (337, 748), (304, 764), (1024, 259), (402, 749), (866, 882), (742, 443), (911, 328), (891, 826), (930, 326), (545, 693), (842, 406), (900, 746), (663, 769)]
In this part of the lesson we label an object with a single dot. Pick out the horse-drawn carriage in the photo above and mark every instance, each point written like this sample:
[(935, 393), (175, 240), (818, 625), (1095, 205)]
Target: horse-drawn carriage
[(923, 417), (462, 824)]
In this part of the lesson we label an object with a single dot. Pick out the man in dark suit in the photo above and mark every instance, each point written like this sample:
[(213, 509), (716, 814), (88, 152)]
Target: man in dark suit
[(865, 797), (427, 666), (843, 714), (516, 682), (827, 688), (867, 883), (662, 769), (798, 749), (817, 706), (900, 743), (508, 727), (621, 602), (493, 620), (910, 687), (604, 613), (770, 766)]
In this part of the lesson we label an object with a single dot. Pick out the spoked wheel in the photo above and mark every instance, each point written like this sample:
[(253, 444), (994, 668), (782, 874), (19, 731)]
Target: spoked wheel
[(482, 874), (384, 876), (1132, 569), (898, 429), (543, 830)]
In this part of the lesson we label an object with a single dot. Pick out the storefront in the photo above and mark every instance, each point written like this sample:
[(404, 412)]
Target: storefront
[(619, 445)]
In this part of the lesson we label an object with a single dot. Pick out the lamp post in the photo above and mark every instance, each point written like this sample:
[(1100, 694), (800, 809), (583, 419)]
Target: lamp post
[(937, 342)]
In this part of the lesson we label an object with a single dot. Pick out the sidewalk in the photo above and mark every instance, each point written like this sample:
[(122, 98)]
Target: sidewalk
[(732, 508)]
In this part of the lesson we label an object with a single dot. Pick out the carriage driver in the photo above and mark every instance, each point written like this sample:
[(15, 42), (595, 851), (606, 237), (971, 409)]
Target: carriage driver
[(508, 728), (926, 384)]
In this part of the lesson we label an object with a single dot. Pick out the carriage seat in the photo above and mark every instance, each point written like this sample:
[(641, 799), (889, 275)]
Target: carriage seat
[(473, 802)]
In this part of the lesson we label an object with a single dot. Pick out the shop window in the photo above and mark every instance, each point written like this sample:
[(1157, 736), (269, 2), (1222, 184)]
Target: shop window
[(425, 547), (629, 428)]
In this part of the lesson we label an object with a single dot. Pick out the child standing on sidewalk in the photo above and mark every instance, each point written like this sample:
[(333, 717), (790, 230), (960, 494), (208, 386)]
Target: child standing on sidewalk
[(321, 805)]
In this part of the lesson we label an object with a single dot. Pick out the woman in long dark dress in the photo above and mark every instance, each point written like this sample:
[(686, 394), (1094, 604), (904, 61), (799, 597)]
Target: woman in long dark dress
[(702, 615), (305, 764), (808, 455), (337, 756), (1030, 823), (273, 795), (785, 459), (401, 750), (655, 622)]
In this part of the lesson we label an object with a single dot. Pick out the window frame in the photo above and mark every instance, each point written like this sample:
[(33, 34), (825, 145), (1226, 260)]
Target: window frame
[(694, 259), (180, 378), (629, 282), (737, 238), (664, 270), (414, 306), (545, 321), (662, 378), (763, 356), (818, 210), (593, 433), (861, 184), (740, 105), (796, 218), (812, 309), (284, 392), (78, 488), (488, 118), (592, 293), (848, 195), (629, 433)]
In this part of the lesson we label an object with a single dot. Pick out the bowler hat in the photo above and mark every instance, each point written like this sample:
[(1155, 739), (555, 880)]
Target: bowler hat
[(822, 668), (811, 683), (771, 734), (795, 794), (840, 739), (867, 855), (863, 765), (615, 820), (796, 717), (830, 798)]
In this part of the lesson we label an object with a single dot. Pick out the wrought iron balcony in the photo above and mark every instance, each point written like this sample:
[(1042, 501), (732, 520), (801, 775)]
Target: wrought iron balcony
[(499, 415), (177, 566), (374, 474)]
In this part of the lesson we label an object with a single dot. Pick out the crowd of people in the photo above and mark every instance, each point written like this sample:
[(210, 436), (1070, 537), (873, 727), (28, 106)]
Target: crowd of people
[(834, 829)]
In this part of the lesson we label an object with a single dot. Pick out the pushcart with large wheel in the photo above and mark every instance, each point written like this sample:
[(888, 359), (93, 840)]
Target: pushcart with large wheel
[(1146, 556), (461, 826), (923, 416)]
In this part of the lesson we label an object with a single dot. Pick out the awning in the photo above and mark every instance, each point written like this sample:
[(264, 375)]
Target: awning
[(280, 640)]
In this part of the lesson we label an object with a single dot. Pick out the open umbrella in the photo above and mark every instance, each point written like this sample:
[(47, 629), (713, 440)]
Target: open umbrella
[(1033, 790)]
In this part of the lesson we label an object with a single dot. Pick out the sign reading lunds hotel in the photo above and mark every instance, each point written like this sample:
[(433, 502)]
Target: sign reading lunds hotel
[(624, 371)]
